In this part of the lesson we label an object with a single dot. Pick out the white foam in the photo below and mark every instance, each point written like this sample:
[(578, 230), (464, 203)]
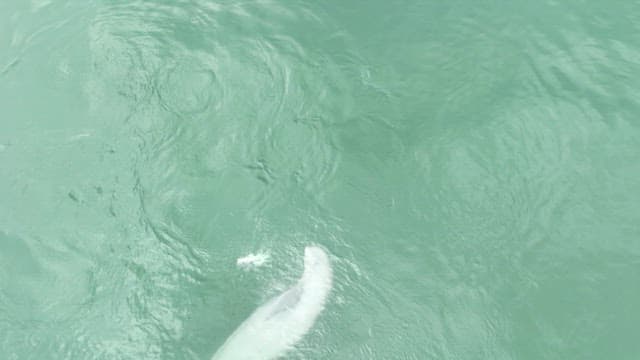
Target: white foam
[(275, 327), (252, 260)]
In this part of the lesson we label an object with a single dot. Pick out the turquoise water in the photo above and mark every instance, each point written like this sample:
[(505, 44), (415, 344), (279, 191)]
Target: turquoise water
[(472, 167)]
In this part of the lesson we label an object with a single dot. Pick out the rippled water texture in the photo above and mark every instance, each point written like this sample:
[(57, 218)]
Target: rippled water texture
[(472, 168)]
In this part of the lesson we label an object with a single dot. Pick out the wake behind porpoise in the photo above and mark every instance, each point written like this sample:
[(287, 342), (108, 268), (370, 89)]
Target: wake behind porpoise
[(275, 327)]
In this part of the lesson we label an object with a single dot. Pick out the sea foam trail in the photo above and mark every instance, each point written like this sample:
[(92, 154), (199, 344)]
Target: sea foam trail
[(276, 326)]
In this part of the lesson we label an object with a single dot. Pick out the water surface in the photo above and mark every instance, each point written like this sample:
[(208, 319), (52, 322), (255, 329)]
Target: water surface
[(471, 167)]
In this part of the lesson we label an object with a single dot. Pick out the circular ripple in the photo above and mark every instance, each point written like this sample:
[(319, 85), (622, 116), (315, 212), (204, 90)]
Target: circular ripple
[(190, 87)]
